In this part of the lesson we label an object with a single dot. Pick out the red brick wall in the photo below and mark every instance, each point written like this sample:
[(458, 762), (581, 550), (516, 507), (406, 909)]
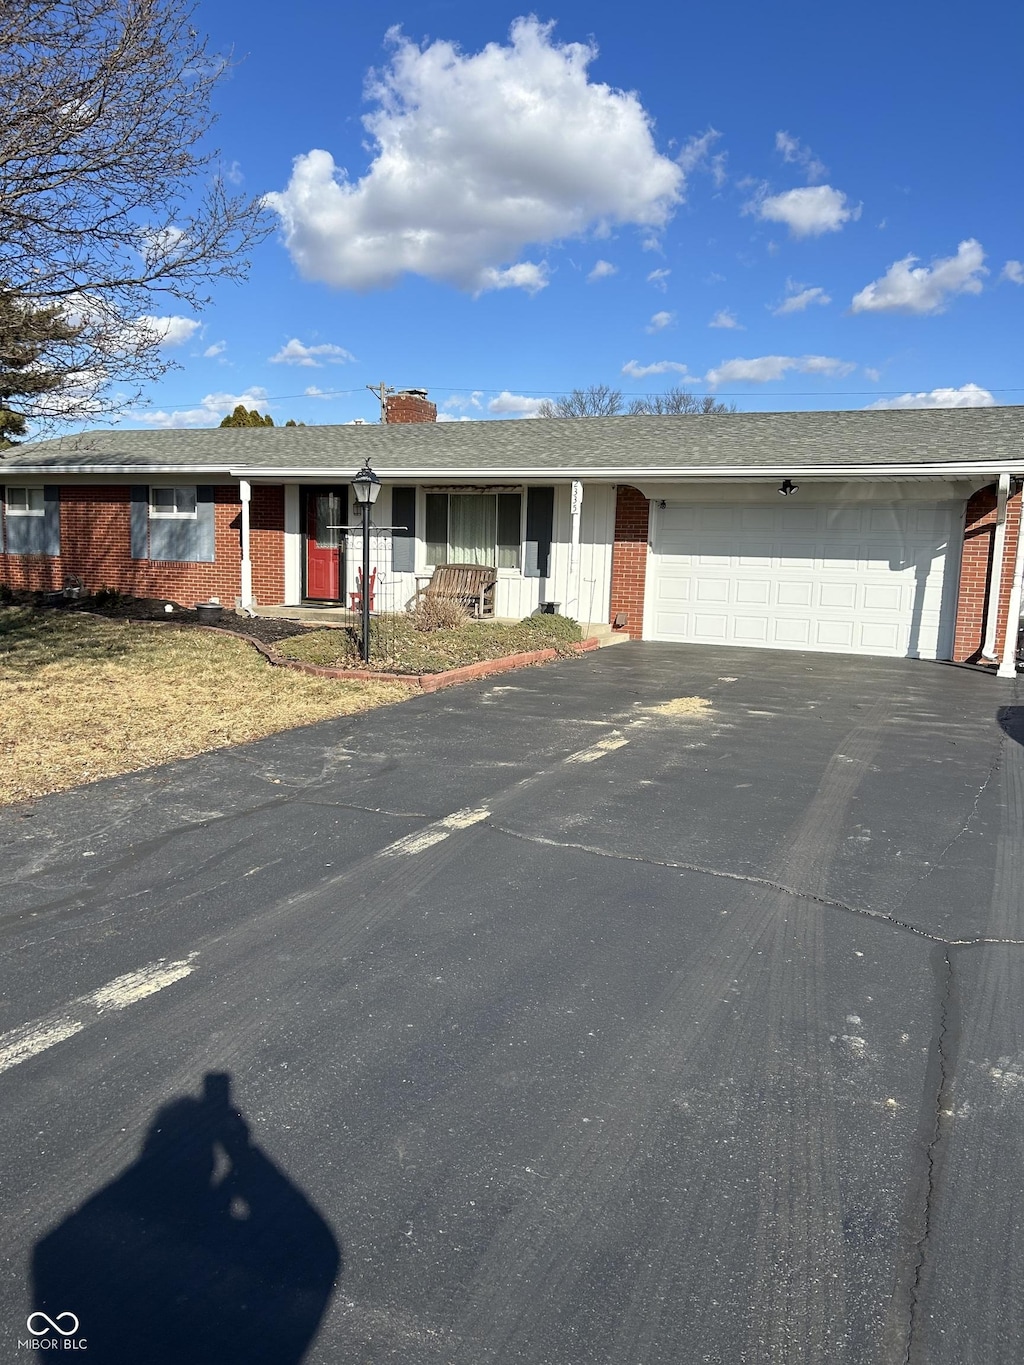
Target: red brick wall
[(975, 573), (266, 543), (629, 558), (408, 407), (95, 542)]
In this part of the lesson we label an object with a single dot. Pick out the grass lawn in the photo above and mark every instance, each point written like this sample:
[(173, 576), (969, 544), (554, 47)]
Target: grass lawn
[(82, 698), (396, 646)]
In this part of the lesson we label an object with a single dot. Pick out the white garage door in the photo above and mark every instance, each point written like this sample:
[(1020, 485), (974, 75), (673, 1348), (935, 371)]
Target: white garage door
[(865, 579)]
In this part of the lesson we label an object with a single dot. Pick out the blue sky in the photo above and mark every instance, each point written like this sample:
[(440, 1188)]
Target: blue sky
[(791, 205)]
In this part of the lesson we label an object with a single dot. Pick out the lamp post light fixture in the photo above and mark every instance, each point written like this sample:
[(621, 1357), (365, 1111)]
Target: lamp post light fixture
[(366, 487)]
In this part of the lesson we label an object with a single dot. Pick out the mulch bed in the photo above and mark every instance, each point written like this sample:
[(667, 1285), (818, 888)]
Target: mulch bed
[(268, 629)]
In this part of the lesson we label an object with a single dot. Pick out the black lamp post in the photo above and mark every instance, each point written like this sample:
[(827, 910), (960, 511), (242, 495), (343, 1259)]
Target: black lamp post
[(366, 487)]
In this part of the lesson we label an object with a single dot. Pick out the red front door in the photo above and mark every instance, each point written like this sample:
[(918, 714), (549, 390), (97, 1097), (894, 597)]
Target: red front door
[(325, 514)]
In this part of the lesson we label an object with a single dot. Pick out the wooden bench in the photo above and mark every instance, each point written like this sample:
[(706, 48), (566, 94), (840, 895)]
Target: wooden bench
[(471, 585)]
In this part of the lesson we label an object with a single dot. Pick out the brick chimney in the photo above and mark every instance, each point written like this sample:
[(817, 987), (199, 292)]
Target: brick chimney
[(409, 405)]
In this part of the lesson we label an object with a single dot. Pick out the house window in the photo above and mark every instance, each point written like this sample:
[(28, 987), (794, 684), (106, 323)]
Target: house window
[(474, 528), (179, 501), (25, 502)]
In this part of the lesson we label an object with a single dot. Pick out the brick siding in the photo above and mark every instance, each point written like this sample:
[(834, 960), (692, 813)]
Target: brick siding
[(95, 543), (975, 571), (408, 407), (629, 558)]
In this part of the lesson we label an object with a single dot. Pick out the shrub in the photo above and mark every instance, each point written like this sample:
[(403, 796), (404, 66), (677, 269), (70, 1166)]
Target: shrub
[(554, 627), (438, 613)]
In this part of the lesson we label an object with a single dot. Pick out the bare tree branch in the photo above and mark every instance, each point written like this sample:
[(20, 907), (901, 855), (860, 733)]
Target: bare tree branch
[(111, 200), (596, 401), (679, 402)]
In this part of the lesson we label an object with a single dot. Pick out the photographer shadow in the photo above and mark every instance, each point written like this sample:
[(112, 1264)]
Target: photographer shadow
[(201, 1252)]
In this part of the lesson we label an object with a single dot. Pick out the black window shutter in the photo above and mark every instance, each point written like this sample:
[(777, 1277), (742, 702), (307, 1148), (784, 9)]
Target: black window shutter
[(403, 543), (540, 517)]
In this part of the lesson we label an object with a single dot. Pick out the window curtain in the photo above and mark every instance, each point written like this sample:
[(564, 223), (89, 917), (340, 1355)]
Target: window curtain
[(471, 528)]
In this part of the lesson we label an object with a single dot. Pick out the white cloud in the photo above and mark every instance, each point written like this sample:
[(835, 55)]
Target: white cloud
[(529, 275), (313, 357), (208, 414), (660, 321), (601, 271), (462, 401), (218, 348), (514, 405), (696, 156), (447, 417), (1014, 272), (966, 396), (871, 373), (659, 279), (793, 150), (725, 317), (311, 391), (171, 331), (806, 212), (798, 298), (637, 371), (762, 369), (476, 156), (924, 289)]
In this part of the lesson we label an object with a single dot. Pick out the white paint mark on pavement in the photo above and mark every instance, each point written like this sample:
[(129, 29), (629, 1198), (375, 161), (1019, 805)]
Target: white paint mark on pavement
[(125, 990), (462, 819), (598, 750), (435, 833), (20, 1044)]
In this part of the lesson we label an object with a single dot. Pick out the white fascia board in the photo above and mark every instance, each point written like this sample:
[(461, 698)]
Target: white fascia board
[(648, 473), (618, 474), (129, 475)]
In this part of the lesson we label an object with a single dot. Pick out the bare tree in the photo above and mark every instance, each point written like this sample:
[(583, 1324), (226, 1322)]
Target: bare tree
[(596, 401), (677, 401), (112, 204)]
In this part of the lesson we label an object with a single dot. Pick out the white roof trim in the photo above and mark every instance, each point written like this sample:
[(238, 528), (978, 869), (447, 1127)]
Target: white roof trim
[(611, 474)]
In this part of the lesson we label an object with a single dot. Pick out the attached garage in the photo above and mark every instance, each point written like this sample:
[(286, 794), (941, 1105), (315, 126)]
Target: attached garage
[(868, 578)]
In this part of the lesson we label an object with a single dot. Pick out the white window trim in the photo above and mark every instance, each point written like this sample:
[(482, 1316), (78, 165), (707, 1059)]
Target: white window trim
[(162, 513), (24, 511)]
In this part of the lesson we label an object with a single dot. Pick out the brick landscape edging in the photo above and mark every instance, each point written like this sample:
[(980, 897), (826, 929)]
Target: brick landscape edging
[(426, 682)]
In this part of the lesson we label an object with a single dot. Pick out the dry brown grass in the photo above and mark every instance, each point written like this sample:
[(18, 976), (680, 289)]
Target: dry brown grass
[(82, 699)]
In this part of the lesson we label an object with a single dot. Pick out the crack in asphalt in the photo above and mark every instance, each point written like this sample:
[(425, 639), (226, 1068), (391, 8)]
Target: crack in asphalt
[(994, 768), (945, 1040), (877, 916)]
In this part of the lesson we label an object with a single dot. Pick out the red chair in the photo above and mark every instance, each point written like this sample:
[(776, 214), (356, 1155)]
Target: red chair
[(355, 599)]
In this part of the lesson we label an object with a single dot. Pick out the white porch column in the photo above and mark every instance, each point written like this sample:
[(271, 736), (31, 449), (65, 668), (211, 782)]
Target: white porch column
[(245, 495), (988, 648), (1008, 664)]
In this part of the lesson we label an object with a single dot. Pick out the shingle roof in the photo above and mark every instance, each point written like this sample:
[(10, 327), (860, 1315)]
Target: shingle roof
[(564, 447)]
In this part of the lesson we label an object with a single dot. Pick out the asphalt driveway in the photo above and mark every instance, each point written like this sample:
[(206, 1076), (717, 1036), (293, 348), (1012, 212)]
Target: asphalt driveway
[(663, 1005)]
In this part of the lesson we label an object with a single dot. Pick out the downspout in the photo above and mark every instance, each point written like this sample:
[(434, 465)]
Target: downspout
[(1008, 666), (988, 649), (245, 496)]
